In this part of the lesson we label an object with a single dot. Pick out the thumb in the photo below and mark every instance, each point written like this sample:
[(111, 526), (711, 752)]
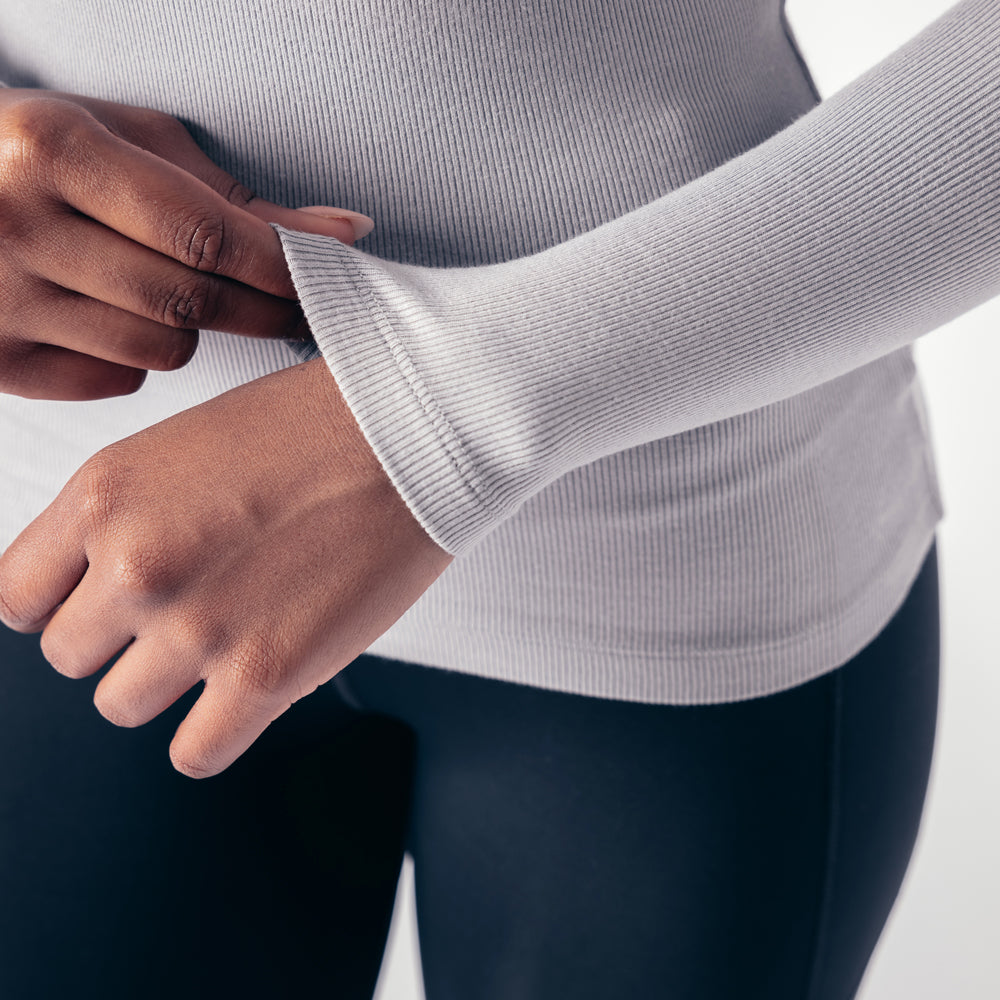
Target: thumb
[(178, 147), (339, 223)]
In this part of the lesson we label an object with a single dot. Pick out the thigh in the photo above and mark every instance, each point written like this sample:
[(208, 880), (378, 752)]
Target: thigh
[(119, 878), (885, 713), (573, 846)]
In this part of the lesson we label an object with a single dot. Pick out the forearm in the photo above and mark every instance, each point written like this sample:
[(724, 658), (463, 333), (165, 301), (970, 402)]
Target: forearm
[(870, 221)]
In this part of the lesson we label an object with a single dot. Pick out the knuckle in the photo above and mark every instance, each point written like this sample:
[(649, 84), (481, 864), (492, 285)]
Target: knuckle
[(33, 128), (98, 485), (188, 305), (234, 192), (40, 136), (159, 126), (142, 573), (213, 636), (257, 670), (199, 242)]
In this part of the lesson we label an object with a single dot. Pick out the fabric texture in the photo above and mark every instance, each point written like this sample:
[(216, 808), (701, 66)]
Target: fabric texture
[(632, 335)]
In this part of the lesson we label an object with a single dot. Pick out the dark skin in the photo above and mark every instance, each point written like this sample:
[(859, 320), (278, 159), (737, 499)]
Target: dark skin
[(120, 238), (253, 542)]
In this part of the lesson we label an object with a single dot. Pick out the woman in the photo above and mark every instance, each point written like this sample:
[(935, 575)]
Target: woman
[(622, 476)]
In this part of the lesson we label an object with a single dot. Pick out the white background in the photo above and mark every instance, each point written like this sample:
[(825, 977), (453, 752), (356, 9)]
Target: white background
[(943, 938)]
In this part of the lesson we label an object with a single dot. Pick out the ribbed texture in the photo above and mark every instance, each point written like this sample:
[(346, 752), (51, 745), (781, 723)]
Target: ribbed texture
[(872, 220), (631, 335)]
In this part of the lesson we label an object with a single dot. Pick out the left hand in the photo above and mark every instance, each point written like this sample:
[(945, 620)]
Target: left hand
[(253, 542)]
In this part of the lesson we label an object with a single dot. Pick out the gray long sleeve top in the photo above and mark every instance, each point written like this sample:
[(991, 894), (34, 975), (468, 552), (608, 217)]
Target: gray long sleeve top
[(632, 335)]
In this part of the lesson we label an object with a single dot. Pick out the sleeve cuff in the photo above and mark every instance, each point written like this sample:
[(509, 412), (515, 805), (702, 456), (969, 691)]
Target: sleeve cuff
[(421, 452)]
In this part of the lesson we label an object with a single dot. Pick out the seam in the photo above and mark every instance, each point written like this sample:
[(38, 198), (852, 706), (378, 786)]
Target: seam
[(442, 427), (832, 839)]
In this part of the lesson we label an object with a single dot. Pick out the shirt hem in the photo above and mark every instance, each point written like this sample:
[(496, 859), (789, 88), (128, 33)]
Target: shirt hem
[(689, 677)]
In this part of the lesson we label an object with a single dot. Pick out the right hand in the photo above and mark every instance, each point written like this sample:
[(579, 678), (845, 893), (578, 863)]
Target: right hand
[(119, 239)]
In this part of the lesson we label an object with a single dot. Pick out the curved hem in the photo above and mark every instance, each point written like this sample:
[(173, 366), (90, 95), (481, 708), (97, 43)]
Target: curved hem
[(698, 677)]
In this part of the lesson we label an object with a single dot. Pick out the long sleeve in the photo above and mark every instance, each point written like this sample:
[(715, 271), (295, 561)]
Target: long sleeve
[(866, 223)]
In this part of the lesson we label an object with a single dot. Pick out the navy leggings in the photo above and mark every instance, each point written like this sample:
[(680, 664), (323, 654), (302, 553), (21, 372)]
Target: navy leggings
[(564, 846)]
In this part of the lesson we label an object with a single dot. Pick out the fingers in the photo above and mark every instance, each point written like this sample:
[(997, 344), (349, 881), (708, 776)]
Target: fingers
[(44, 371), (174, 143), (152, 674), (87, 211), (138, 280), (336, 222), (78, 323), (84, 633), (222, 724), (167, 138), (146, 680), (163, 207), (38, 571)]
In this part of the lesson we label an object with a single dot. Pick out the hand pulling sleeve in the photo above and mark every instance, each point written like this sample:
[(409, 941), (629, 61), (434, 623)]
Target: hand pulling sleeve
[(869, 221)]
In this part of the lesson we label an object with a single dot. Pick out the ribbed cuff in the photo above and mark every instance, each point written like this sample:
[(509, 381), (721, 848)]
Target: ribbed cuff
[(409, 434)]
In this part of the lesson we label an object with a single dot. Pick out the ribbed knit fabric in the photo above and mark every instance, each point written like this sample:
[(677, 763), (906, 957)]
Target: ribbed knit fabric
[(632, 333)]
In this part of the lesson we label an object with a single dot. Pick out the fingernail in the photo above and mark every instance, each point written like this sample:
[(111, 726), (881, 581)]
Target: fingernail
[(361, 224)]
